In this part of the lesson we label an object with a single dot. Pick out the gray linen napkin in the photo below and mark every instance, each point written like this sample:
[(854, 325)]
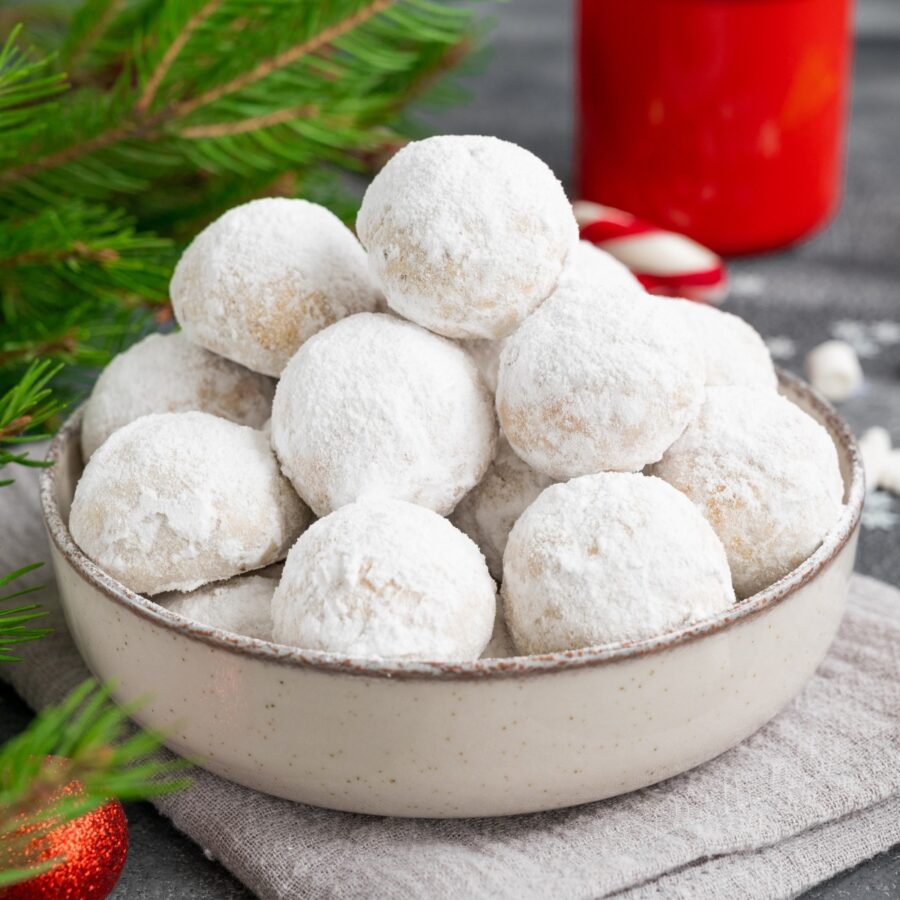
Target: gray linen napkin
[(815, 791)]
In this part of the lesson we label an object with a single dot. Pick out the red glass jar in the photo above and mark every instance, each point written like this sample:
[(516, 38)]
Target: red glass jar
[(722, 119)]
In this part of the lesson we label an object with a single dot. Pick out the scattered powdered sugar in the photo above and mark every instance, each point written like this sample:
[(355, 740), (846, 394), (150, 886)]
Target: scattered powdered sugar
[(489, 511), (265, 276), (608, 558), (766, 477), (375, 407), (733, 350), (385, 579), (167, 373), (593, 382), (176, 500), (466, 235), (241, 605), (586, 265)]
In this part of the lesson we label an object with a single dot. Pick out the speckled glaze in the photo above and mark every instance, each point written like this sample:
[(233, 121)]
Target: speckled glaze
[(471, 739)]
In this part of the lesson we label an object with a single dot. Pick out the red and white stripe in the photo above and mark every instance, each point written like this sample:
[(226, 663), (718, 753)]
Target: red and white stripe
[(664, 262)]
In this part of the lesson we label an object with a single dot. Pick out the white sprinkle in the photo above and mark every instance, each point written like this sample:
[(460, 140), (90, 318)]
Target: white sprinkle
[(879, 512), (745, 284), (781, 346), (833, 369), (874, 447)]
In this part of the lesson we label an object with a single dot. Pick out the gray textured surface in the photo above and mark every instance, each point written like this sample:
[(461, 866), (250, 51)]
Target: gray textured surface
[(851, 272)]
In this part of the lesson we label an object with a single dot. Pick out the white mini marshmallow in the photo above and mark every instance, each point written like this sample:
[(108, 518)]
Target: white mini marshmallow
[(833, 370), (875, 448)]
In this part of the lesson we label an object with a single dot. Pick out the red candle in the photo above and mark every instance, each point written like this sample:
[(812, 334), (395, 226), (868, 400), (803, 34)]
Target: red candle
[(722, 119)]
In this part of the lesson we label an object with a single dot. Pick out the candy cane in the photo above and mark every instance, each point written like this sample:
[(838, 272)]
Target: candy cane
[(663, 261)]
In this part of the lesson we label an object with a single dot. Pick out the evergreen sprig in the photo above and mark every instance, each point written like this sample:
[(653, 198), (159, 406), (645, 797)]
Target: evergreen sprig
[(24, 409), (86, 739), (147, 118)]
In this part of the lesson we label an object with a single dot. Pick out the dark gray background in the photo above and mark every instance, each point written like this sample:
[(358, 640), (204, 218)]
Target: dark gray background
[(842, 283)]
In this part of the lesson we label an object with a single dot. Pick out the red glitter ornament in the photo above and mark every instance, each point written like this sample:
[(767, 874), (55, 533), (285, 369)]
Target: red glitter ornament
[(92, 847)]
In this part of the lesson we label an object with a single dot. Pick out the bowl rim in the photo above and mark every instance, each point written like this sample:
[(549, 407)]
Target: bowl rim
[(480, 669)]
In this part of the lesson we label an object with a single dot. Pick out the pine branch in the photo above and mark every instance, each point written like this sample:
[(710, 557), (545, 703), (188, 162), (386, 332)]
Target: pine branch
[(356, 48), (286, 58), (171, 54), (178, 111), (88, 25), (85, 739), (15, 624), (27, 89), (24, 409)]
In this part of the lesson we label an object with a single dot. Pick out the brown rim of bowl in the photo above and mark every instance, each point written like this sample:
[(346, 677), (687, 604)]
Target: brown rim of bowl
[(834, 542)]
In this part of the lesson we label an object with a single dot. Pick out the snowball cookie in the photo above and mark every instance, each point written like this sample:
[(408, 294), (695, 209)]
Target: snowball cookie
[(766, 477), (265, 276), (167, 373), (733, 350), (173, 501), (607, 558), (389, 579), (241, 605), (375, 407), (590, 384), (489, 511), (590, 265), (587, 265), (466, 235)]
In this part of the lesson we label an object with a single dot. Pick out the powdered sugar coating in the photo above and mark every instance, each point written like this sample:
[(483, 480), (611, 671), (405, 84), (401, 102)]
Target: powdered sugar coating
[(466, 234), (489, 511), (376, 407), (173, 501), (608, 558), (385, 579), (766, 477), (734, 352), (167, 373), (594, 383), (265, 277), (591, 266), (241, 605), (586, 265)]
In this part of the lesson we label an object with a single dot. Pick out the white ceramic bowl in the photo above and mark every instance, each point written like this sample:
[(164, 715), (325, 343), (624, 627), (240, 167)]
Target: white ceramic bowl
[(471, 739)]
